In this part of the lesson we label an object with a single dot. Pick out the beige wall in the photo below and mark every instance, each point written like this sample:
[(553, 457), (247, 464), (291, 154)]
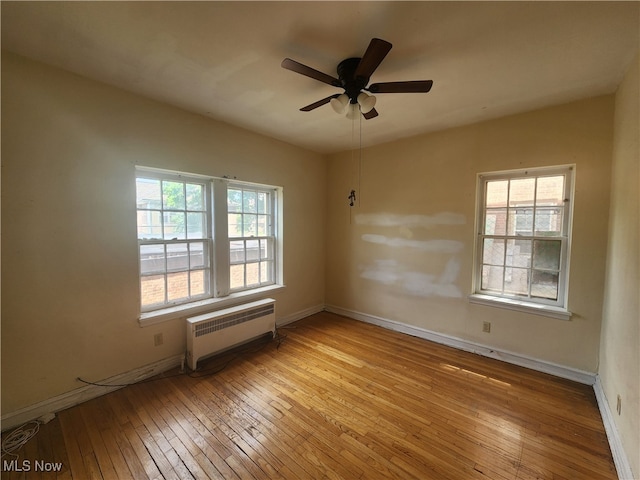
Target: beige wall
[(619, 349), (434, 176), (69, 249)]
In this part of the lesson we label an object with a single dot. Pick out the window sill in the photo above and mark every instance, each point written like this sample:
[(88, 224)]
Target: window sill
[(182, 311), (520, 306)]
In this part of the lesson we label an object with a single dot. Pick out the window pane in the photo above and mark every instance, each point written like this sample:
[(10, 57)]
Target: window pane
[(152, 290), (546, 254), (173, 195), (149, 224), (266, 269), (197, 283), (236, 251), (174, 225), (516, 281), (148, 193), (495, 222), (544, 285), (266, 248), (235, 224), (496, 195), (492, 278), (177, 257), (518, 253), (151, 259), (197, 258), (521, 191), (234, 200), (236, 276), (521, 221), (195, 196), (195, 225), (253, 250), (249, 202), (263, 225), (177, 286), (493, 251), (263, 202), (253, 274), (549, 221), (550, 190), (249, 225)]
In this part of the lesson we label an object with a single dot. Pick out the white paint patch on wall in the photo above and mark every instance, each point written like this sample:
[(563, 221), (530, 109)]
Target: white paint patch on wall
[(451, 271), (409, 221), (390, 273), (384, 271), (401, 278), (435, 246)]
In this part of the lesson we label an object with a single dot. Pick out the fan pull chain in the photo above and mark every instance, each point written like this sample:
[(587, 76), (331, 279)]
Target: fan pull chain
[(360, 164)]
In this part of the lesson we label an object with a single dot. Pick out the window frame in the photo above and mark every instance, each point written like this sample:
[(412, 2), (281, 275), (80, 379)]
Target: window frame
[(543, 306), (269, 237), (217, 243), (221, 227), (205, 238)]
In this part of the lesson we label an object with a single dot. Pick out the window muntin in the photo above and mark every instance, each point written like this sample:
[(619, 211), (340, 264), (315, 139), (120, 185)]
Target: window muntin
[(523, 242), (202, 238)]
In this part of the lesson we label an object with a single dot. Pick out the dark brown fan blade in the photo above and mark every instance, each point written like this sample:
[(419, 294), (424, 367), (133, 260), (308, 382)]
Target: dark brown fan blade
[(376, 51), (319, 103), (416, 86), (373, 113), (309, 72)]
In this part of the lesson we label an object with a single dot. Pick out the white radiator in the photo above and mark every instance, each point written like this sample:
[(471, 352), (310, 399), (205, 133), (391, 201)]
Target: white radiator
[(214, 332)]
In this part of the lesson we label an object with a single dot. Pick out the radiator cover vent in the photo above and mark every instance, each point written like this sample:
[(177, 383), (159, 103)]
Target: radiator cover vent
[(210, 326)]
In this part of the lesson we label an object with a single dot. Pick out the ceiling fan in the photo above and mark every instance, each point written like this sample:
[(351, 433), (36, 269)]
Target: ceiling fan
[(353, 77)]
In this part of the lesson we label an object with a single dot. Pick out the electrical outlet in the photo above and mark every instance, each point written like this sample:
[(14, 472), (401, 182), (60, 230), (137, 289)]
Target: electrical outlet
[(486, 327), (158, 339), (619, 405)]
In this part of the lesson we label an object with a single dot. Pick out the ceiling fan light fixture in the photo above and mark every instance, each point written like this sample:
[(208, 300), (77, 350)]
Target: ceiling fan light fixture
[(353, 111), (366, 102), (339, 104)]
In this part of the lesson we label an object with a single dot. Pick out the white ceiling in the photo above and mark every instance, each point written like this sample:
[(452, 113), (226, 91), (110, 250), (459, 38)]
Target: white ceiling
[(222, 59)]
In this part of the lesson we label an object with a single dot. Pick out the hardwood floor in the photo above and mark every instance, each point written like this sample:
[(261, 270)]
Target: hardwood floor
[(336, 399)]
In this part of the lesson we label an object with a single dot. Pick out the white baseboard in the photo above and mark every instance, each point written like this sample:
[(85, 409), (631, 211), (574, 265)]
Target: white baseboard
[(562, 371), (620, 459), (294, 317), (66, 400)]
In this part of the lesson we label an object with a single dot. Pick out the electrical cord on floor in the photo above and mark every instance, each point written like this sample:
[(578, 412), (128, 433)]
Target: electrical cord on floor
[(15, 440), (279, 337)]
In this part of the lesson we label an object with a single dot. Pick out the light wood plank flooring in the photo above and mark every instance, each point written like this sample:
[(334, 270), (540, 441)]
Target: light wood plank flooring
[(336, 399)]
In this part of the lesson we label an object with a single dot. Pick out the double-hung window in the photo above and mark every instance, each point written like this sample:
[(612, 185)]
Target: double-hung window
[(251, 236), (523, 237), (201, 238)]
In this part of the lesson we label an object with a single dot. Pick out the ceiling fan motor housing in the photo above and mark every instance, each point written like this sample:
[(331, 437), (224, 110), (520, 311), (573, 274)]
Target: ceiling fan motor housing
[(346, 74)]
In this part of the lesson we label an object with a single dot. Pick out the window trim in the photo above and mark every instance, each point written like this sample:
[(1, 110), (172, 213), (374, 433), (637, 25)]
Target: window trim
[(555, 309), (216, 211)]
